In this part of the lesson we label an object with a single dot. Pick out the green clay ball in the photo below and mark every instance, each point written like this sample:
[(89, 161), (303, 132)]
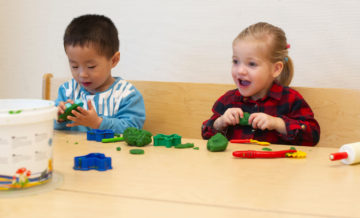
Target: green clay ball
[(137, 137), (218, 142), (137, 151), (245, 120)]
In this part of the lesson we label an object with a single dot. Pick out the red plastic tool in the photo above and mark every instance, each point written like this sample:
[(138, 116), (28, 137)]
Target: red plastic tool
[(262, 154), (240, 140)]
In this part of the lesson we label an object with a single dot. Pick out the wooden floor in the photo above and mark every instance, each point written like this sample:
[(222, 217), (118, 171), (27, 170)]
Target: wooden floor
[(169, 182)]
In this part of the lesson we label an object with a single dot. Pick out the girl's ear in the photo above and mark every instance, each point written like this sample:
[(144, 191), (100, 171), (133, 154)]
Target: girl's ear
[(278, 67), (115, 59)]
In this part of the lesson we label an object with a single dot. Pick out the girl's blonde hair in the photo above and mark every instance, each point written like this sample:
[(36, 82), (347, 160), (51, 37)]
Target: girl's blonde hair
[(276, 44)]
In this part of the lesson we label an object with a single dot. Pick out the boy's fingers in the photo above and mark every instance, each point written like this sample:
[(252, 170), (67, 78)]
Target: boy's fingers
[(71, 124), (89, 105), (82, 110), (77, 114), (71, 118)]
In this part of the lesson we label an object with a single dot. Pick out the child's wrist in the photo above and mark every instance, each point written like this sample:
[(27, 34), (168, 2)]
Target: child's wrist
[(280, 125), (217, 124), (98, 123)]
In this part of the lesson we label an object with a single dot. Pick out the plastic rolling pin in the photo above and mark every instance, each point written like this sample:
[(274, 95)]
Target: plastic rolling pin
[(348, 154)]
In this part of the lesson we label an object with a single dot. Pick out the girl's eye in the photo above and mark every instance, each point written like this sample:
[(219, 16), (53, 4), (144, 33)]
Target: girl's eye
[(74, 67), (252, 64), (91, 67), (235, 61)]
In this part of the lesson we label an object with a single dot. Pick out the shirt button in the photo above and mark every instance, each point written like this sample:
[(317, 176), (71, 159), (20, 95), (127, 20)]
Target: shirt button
[(256, 106), (303, 127), (245, 99)]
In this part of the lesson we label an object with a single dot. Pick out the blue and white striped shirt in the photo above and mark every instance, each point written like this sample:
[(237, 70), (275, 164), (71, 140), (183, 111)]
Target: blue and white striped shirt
[(121, 105)]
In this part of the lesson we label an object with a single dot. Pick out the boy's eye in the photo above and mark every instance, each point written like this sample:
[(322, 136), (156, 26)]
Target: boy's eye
[(91, 67), (74, 67), (235, 61)]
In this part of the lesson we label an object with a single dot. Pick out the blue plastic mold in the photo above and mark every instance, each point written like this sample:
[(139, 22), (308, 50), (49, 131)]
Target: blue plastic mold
[(98, 135), (92, 161)]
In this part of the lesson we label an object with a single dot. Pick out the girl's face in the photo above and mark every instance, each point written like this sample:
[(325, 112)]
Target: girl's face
[(90, 69), (252, 72)]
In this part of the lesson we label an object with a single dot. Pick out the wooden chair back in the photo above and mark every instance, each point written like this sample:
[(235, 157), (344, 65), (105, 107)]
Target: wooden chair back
[(178, 107)]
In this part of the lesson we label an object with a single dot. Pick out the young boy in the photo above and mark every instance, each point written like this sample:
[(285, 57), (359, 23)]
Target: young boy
[(92, 46)]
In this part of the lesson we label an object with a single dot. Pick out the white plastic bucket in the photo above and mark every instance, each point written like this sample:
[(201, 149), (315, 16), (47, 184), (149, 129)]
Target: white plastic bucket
[(26, 133)]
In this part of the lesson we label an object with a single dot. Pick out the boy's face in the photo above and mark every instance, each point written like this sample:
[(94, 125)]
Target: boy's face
[(252, 72), (91, 70)]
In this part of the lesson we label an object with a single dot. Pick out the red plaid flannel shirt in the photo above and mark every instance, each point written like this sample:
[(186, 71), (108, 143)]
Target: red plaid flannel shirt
[(283, 102)]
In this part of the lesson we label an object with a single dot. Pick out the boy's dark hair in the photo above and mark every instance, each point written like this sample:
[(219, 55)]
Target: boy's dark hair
[(97, 30)]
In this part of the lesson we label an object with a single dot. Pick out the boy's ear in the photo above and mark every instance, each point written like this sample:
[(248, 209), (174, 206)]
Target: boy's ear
[(115, 59), (278, 67)]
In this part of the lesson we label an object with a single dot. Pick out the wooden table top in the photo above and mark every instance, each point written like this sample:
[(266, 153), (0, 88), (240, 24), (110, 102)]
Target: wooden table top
[(169, 182)]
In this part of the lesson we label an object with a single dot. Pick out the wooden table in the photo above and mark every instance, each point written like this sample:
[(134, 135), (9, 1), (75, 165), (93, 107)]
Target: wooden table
[(169, 182)]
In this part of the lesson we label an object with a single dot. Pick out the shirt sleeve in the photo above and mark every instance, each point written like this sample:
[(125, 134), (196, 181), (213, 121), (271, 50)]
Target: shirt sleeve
[(301, 126), (131, 113), (61, 97), (207, 128)]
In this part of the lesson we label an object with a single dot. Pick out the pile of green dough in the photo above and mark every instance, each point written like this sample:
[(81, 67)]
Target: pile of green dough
[(137, 137), (218, 142)]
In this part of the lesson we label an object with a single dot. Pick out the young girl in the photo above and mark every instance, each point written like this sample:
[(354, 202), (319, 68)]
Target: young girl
[(262, 70)]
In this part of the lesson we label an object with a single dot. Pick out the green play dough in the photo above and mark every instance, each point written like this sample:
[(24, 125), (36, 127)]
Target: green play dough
[(68, 111), (187, 145), (137, 137), (245, 120), (218, 142), (137, 151), (266, 149)]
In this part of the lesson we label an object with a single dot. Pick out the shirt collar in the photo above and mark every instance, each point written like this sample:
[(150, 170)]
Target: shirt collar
[(275, 92)]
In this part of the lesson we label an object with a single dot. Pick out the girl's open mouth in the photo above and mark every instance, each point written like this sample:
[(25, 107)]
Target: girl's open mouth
[(244, 82)]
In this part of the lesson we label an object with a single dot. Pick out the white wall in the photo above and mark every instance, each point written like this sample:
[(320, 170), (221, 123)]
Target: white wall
[(184, 40)]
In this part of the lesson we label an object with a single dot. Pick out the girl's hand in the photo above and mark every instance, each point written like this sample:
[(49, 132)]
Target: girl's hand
[(264, 121), (230, 117), (84, 117), (61, 108)]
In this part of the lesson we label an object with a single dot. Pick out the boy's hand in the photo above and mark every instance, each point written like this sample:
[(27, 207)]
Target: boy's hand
[(84, 117), (264, 121), (61, 108), (230, 117)]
